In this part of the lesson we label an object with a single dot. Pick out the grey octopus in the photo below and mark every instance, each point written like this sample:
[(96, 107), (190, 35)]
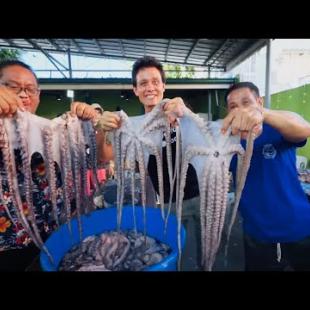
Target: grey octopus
[(62, 140), (198, 142)]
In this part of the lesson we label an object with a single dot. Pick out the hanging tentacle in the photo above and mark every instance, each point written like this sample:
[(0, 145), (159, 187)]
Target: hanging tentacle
[(142, 173), (10, 169), (66, 172), (72, 125), (242, 177), (51, 175)]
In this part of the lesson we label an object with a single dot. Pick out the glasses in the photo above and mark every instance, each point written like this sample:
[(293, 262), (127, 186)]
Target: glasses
[(30, 91)]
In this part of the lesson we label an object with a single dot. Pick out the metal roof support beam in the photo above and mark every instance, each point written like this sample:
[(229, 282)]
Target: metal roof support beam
[(48, 56), (250, 51), (267, 83), (12, 44), (216, 98), (79, 48), (122, 47), (191, 50), (210, 58), (168, 49), (46, 53), (57, 47), (99, 46), (209, 106), (69, 62)]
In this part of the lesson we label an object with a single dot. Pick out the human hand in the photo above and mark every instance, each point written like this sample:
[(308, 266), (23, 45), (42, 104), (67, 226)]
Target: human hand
[(9, 102), (83, 111), (108, 121), (244, 119), (174, 108), (110, 171)]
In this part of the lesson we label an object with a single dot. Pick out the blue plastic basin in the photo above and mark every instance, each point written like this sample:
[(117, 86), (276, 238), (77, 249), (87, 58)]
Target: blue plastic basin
[(61, 241)]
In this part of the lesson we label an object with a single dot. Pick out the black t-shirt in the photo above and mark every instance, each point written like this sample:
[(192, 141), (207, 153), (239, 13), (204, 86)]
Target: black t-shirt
[(191, 186)]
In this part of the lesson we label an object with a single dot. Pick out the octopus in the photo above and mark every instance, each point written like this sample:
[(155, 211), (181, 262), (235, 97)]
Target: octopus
[(115, 251), (134, 141), (63, 141), (60, 141), (200, 143)]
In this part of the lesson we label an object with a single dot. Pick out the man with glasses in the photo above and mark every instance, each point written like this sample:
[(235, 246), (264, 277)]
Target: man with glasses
[(19, 90)]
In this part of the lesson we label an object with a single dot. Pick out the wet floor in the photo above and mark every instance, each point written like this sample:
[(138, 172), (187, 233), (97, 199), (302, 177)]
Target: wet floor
[(235, 254)]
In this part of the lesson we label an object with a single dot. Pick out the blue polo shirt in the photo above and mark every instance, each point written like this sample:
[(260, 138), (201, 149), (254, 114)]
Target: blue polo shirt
[(273, 205)]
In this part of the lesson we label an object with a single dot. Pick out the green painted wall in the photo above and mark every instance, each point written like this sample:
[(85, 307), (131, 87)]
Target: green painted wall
[(295, 100), (50, 107)]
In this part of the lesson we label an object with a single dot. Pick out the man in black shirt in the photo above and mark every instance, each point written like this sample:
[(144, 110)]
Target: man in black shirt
[(148, 78)]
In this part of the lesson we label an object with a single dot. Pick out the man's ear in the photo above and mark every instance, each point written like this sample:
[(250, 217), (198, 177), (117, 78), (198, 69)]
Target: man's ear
[(135, 91), (261, 101)]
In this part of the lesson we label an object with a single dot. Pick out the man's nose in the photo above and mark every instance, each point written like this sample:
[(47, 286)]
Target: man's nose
[(23, 94), (150, 86)]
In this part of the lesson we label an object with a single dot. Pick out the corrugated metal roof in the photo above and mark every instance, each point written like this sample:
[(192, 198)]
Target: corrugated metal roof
[(215, 54)]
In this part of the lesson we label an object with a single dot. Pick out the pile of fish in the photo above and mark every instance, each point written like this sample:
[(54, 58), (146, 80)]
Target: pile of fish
[(115, 251)]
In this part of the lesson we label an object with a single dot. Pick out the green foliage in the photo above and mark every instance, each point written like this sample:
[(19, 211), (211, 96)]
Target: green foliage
[(175, 71), (9, 54)]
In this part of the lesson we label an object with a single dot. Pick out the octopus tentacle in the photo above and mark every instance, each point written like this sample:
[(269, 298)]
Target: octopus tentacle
[(72, 124), (82, 153), (66, 173), (133, 181), (241, 182), (51, 175), (173, 175), (142, 172), (157, 154), (10, 169)]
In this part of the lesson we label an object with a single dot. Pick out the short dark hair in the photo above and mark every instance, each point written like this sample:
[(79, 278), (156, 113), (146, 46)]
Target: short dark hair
[(252, 87), (147, 62), (12, 62)]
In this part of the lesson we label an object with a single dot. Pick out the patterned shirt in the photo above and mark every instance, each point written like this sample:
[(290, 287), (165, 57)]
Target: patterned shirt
[(12, 234)]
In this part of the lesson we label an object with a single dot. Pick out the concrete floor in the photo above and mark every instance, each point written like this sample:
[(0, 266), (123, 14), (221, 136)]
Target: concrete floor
[(235, 255)]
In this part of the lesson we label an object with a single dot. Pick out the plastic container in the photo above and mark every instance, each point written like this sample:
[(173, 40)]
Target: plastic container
[(61, 241)]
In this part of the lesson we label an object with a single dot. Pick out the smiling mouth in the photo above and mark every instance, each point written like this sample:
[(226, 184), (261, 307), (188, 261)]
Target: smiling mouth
[(26, 105), (150, 97)]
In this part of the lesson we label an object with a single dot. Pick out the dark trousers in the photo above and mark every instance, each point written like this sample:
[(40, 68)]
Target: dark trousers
[(18, 259), (260, 256)]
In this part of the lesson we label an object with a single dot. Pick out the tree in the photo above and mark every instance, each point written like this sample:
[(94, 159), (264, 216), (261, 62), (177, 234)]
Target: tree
[(175, 71), (9, 54)]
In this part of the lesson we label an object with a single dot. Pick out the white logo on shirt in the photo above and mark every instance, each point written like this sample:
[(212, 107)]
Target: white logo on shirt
[(269, 151), (173, 140)]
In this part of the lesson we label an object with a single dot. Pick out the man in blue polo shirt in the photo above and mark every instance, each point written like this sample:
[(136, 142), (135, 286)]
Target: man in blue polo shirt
[(274, 208)]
